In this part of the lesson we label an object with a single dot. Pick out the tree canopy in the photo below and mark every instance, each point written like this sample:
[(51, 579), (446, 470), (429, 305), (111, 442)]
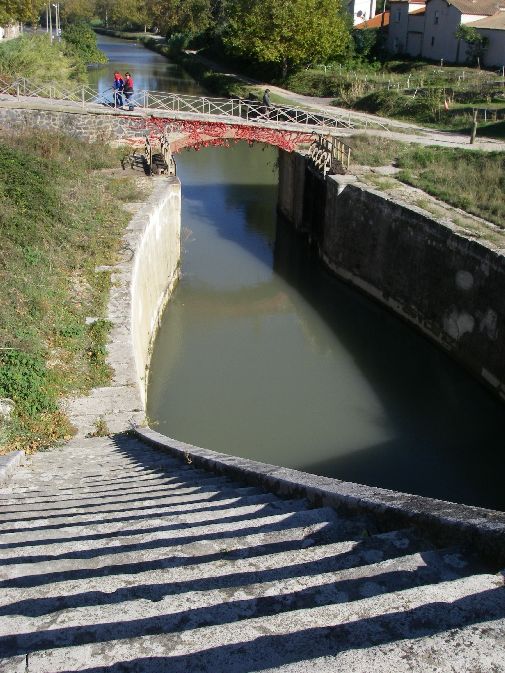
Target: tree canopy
[(288, 33), (19, 10), (181, 16)]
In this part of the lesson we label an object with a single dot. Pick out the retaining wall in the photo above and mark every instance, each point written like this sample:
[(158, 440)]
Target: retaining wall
[(102, 126), (141, 285), (446, 284), (155, 270)]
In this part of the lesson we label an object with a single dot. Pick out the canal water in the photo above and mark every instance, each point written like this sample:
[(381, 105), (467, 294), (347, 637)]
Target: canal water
[(263, 354)]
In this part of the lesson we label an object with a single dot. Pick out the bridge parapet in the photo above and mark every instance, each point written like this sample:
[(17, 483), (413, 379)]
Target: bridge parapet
[(179, 106)]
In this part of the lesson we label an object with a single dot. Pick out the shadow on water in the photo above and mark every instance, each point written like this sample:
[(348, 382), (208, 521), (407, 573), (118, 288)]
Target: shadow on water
[(448, 427)]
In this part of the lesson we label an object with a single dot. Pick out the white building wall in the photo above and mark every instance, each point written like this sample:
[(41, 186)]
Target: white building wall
[(494, 56), (398, 27), (414, 46), (441, 23), (361, 10)]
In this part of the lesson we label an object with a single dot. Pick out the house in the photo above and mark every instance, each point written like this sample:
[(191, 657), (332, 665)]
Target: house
[(378, 21), (361, 10), (493, 28), (428, 29), (406, 27)]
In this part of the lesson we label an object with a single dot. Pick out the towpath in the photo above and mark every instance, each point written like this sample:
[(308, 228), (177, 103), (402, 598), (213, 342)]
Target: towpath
[(391, 128)]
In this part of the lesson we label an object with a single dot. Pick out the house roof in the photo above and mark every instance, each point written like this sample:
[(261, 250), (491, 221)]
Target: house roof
[(496, 22), (411, 2), (377, 21), (483, 7)]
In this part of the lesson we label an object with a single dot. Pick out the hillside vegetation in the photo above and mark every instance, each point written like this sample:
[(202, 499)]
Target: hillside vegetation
[(61, 217)]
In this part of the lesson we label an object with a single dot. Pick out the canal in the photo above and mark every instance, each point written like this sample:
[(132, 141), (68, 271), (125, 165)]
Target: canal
[(263, 354)]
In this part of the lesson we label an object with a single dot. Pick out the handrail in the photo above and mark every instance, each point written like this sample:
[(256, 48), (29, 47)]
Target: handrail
[(222, 109)]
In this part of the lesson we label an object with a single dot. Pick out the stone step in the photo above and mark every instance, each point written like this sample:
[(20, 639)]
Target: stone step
[(135, 490), (199, 499), (309, 560), (160, 519), (257, 591), (259, 634), (170, 492), (386, 558), (279, 533)]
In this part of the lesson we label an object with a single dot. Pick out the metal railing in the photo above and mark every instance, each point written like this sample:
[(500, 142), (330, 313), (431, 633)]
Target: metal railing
[(330, 155), (228, 110)]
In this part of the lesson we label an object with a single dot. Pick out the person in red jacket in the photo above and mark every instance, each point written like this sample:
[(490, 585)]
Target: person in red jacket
[(128, 89)]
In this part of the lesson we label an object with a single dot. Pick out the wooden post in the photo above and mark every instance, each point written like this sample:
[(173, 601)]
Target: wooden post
[(474, 127)]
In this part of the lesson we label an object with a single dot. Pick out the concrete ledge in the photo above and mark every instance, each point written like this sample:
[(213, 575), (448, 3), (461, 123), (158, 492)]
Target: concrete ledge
[(9, 463), (444, 522)]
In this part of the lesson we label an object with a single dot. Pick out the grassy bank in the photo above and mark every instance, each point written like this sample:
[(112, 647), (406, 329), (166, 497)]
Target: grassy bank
[(473, 181), (61, 217), (442, 97)]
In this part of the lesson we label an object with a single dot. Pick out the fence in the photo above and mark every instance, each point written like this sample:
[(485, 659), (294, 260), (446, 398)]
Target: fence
[(222, 109)]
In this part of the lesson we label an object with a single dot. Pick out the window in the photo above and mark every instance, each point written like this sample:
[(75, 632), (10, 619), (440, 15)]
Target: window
[(432, 41), (437, 16), (398, 16)]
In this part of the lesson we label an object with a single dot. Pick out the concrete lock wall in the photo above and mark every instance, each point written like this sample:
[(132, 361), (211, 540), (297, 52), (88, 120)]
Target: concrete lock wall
[(155, 270), (447, 285)]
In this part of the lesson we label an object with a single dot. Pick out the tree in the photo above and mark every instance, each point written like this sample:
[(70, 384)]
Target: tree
[(19, 10), (73, 11), (123, 13), (181, 16), (476, 43), (288, 34)]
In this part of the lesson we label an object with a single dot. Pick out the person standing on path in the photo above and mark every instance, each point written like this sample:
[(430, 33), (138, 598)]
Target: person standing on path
[(128, 90), (118, 89), (267, 104)]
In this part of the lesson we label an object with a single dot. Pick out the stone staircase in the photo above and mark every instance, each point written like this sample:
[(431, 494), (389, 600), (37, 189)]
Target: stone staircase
[(117, 557)]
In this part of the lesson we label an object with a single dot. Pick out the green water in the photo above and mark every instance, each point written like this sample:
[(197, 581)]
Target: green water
[(261, 353)]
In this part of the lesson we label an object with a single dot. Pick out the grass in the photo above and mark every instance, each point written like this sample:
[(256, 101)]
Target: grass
[(471, 180), (61, 217), (410, 91)]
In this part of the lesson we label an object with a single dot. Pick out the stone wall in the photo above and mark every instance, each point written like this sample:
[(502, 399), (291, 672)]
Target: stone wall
[(142, 282), (155, 270), (447, 285), (102, 126)]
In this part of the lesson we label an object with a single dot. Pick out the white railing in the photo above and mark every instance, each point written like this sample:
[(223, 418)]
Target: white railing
[(230, 110)]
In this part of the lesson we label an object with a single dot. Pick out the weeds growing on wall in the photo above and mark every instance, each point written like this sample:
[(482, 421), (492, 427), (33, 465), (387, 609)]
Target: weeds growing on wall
[(61, 217)]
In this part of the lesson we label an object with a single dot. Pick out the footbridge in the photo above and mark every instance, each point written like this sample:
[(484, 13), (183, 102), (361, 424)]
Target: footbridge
[(232, 111), (194, 121)]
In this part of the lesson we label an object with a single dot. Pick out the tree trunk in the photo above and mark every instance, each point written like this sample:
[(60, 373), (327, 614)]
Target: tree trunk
[(284, 68)]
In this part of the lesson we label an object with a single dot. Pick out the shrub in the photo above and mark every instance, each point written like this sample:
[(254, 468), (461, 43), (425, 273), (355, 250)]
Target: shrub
[(37, 58), (80, 41), (24, 379)]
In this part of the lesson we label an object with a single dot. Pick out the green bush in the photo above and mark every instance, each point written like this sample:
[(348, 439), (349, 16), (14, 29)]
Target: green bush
[(80, 41), (37, 58), (24, 379)]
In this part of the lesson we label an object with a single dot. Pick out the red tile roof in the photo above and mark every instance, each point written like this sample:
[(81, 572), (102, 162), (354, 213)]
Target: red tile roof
[(378, 21)]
